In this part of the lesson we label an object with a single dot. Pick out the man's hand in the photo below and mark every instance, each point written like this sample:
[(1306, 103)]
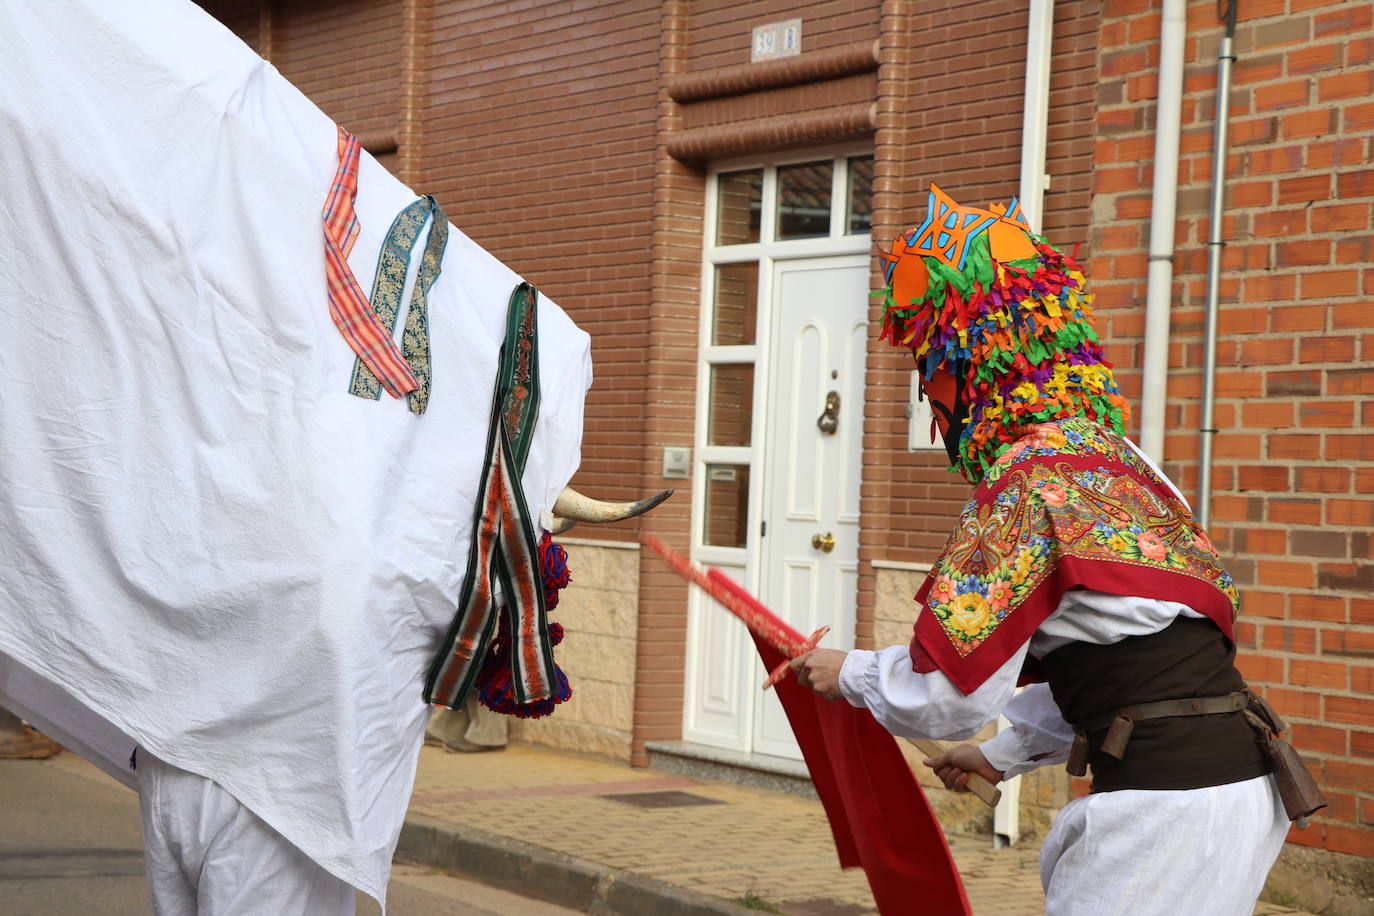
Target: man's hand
[(819, 669), (954, 765)]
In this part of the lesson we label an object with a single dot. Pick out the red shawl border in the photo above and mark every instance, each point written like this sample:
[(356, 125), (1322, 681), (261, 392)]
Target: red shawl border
[(931, 648)]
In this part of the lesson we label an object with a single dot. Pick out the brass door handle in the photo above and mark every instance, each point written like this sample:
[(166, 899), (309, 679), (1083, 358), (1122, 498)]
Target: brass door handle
[(823, 542), (829, 420)]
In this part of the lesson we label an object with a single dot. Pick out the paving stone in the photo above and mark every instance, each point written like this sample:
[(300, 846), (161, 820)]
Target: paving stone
[(744, 842)]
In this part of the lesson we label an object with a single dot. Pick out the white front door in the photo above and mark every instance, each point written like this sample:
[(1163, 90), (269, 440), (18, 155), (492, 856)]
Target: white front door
[(811, 467), (785, 294)]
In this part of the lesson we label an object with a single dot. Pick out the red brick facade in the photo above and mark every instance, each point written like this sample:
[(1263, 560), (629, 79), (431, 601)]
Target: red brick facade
[(570, 139), (1293, 501)]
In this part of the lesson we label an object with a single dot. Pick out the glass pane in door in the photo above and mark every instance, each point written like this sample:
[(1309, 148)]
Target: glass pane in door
[(727, 505), (804, 199), (737, 298), (739, 207), (732, 405), (860, 207)]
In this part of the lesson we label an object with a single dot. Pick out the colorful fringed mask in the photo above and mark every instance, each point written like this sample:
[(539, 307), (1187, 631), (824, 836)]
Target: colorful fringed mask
[(975, 292)]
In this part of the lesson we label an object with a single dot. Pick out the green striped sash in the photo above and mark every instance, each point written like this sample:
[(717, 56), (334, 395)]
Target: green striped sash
[(504, 547)]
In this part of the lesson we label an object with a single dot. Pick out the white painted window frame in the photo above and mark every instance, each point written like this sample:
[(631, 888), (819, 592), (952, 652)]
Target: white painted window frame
[(746, 562)]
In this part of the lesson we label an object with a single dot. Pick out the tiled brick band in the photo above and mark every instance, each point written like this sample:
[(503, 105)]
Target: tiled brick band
[(380, 144), (860, 57), (704, 143)]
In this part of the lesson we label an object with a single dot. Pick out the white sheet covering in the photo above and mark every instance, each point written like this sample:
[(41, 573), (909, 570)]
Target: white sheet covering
[(207, 546)]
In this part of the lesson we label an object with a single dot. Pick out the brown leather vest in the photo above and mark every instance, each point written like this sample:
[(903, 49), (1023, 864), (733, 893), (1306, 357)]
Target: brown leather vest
[(1188, 658)]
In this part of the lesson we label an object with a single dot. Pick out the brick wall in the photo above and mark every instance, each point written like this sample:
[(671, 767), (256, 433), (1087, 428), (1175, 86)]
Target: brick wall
[(347, 57), (539, 133), (670, 404), (718, 31), (1294, 466), (240, 16)]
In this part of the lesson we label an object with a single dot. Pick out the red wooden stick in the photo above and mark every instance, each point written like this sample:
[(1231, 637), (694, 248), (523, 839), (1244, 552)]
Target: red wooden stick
[(731, 596)]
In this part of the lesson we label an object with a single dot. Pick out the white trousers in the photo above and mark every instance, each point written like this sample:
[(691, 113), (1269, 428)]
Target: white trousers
[(1163, 853), (207, 855)]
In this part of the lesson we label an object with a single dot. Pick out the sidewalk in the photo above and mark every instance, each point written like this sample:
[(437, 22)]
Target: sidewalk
[(605, 838)]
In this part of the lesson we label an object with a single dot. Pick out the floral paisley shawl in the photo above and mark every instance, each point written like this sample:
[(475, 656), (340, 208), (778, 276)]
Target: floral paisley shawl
[(1070, 505)]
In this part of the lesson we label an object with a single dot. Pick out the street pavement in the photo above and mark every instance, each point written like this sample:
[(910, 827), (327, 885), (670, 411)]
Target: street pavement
[(692, 846), (547, 834), (70, 844)]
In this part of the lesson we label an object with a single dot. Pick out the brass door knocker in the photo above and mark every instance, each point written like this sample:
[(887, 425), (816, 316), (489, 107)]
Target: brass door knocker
[(829, 420)]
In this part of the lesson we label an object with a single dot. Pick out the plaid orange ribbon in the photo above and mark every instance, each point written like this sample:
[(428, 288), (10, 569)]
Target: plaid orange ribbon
[(352, 313)]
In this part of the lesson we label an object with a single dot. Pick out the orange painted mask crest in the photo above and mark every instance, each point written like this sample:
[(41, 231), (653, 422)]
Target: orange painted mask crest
[(910, 278), (1009, 237)]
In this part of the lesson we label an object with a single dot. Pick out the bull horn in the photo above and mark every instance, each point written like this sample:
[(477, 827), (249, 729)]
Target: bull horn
[(572, 504)]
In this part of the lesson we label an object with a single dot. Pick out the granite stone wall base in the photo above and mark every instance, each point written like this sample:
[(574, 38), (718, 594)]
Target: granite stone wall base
[(1319, 881)]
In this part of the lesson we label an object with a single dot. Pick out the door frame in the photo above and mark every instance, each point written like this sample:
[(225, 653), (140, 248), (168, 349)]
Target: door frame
[(746, 563)]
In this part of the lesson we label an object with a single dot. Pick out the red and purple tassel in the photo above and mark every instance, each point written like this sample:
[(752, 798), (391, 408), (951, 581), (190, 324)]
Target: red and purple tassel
[(494, 685), (553, 564)]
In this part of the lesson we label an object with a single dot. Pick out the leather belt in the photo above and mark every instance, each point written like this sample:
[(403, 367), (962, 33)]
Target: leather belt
[(1119, 725), (1296, 787)]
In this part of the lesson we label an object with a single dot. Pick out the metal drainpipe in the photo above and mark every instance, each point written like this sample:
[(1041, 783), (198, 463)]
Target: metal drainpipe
[(1215, 245), (1035, 127), (1006, 817), (1159, 291)]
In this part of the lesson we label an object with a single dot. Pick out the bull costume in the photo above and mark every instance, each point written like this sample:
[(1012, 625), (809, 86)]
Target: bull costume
[(1077, 568), (229, 575)]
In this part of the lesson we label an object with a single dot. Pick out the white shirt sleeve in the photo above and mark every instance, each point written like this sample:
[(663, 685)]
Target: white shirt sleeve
[(1038, 734), (930, 706), (1102, 619), (915, 705)]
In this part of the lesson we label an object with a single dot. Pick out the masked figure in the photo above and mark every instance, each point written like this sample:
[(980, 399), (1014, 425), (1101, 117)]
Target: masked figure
[(1076, 567)]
